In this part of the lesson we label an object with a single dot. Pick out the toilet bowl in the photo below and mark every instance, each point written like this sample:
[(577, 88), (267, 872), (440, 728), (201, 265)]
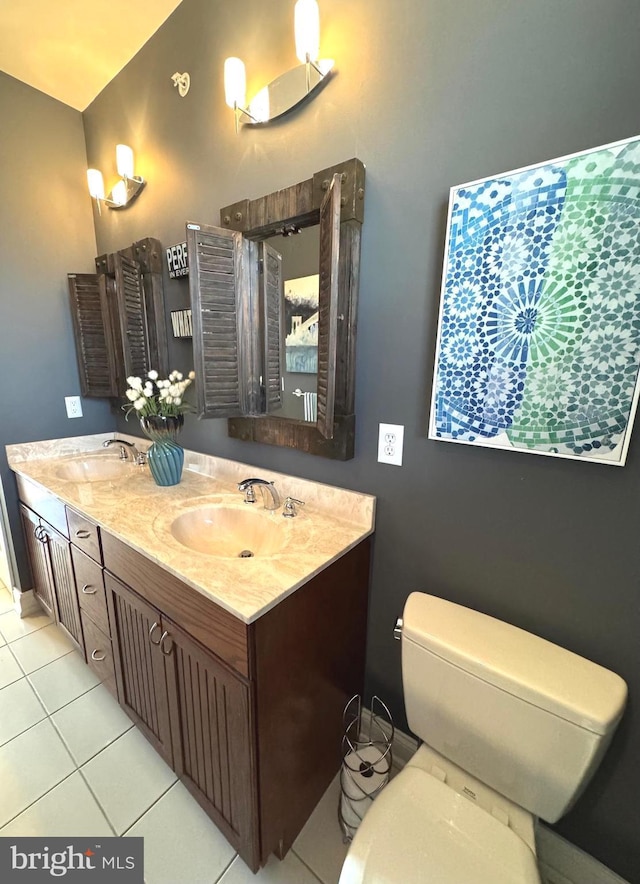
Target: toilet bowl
[(514, 728)]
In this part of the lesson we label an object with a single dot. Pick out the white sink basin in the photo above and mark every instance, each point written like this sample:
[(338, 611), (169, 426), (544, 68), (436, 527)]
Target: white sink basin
[(231, 532), (94, 468)]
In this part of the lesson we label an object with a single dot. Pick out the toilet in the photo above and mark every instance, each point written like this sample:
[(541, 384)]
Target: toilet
[(513, 729)]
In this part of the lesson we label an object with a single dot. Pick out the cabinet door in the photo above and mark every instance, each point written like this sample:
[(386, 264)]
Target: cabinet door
[(64, 585), (211, 721), (38, 558), (139, 663)]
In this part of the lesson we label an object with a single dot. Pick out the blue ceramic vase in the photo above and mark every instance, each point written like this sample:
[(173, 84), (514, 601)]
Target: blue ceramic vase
[(165, 457)]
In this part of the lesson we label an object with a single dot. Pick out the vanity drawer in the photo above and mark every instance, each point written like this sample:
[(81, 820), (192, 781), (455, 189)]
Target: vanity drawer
[(42, 502), (91, 594), (216, 629), (99, 653), (84, 534)]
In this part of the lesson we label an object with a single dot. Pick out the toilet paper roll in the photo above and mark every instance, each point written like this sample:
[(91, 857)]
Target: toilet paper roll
[(352, 815), (364, 772)]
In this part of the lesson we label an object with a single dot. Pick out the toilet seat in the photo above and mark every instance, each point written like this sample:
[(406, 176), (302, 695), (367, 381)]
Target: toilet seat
[(421, 831)]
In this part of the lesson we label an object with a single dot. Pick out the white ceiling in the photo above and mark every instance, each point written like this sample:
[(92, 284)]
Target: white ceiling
[(71, 49)]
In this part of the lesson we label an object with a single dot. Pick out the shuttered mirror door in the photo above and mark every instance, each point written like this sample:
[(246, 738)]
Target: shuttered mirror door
[(221, 310), (328, 306), (272, 311), (92, 331), (133, 316)]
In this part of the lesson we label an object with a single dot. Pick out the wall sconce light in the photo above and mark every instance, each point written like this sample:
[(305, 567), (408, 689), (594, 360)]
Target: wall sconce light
[(290, 88), (124, 191)]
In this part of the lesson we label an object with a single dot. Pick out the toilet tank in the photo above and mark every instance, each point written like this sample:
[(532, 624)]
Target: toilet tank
[(528, 718)]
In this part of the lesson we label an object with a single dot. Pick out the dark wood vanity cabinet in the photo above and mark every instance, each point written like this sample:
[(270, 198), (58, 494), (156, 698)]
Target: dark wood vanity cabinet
[(54, 581), (37, 553), (248, 715)]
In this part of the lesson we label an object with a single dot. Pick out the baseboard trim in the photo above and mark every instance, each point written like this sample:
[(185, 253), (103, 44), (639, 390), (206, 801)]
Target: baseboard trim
[(560, 862), (26, 603)]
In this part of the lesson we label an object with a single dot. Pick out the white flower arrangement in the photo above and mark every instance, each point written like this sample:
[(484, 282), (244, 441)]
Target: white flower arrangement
[(154, 396)]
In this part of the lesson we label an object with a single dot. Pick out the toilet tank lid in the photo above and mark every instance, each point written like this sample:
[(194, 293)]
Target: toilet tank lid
[(524, 665)]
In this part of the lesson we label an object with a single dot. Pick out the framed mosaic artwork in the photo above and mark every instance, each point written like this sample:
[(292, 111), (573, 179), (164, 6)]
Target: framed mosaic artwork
[(538, 346)]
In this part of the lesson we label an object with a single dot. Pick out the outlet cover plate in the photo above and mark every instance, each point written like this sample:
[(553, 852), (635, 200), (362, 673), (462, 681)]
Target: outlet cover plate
[(73, 406), (390, 442)]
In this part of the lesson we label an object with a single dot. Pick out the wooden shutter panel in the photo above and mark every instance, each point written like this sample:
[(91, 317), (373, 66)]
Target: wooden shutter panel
[(222, 332), (328, 306), (272, 308), (92, 331), (133, 316)]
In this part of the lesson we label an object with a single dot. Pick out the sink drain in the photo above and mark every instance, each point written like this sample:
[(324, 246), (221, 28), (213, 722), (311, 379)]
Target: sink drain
[(245, 554)]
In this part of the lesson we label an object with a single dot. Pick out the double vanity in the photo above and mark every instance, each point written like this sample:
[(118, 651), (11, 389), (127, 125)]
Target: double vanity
[(231, 634)]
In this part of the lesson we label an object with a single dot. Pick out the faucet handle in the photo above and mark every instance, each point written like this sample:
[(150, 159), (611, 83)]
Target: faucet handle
[(289, 509)]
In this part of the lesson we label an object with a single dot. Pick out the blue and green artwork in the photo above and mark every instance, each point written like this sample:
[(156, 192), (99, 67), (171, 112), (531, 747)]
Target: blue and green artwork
[(539, 333)]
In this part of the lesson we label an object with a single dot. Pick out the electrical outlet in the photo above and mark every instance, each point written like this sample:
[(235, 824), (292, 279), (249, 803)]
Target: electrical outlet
[(73, 406), (390, 441)]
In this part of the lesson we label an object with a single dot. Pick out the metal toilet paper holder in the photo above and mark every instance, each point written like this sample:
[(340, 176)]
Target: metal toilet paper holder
[(366, 760)]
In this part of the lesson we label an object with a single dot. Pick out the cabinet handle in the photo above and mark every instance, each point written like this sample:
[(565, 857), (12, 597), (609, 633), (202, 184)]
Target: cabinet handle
[(156, 625), (87, 589), (83, 534), (96, 658), (165, 635), (40, 534)]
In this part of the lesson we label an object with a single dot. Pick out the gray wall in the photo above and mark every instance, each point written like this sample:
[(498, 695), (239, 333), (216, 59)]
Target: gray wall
[(46, 231), (429, 93)]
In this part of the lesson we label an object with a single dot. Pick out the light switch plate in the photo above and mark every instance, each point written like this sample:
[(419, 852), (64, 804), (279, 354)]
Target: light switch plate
[(390, 442)]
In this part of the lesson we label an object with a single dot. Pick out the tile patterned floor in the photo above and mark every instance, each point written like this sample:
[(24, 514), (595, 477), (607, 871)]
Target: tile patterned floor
[(72, 763)]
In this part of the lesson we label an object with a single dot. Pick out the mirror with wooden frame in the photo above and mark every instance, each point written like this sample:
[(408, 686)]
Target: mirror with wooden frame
[(243, 353)]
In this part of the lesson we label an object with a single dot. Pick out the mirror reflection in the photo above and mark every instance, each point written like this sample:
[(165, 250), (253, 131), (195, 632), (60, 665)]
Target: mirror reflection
[(299, 357)]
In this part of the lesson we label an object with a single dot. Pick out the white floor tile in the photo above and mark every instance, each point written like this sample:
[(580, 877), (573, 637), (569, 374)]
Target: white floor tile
[(6, 601), (9, 669), (12, 626), (180, 841), (62, 681), (30, 765), (320, 844), (288, 871), (90, 723), (3, 640), (126, 778), (69, 809), (41, 647), (19, 709)]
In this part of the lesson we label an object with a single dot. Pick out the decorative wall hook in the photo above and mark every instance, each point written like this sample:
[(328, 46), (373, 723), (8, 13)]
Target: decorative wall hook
[(182, 82)]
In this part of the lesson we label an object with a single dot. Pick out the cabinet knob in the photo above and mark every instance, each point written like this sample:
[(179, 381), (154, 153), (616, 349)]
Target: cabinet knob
[(95, 655), (155, 626), (88, 589)]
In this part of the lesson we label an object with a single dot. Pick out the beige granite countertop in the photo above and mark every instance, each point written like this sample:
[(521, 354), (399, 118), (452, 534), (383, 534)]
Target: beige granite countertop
[(140, 513)]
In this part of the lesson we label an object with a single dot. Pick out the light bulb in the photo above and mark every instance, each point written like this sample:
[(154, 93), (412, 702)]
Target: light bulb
[(124, 161), (96, 183), (235, 82), (119, 193), (307, 30)]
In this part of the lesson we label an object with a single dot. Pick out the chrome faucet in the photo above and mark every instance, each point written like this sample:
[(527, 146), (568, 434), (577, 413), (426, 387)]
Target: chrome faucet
[(270, 496), (138, 457)]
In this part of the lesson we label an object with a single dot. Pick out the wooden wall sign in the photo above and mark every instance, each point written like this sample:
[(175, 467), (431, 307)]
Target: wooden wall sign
[(178, 260)]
